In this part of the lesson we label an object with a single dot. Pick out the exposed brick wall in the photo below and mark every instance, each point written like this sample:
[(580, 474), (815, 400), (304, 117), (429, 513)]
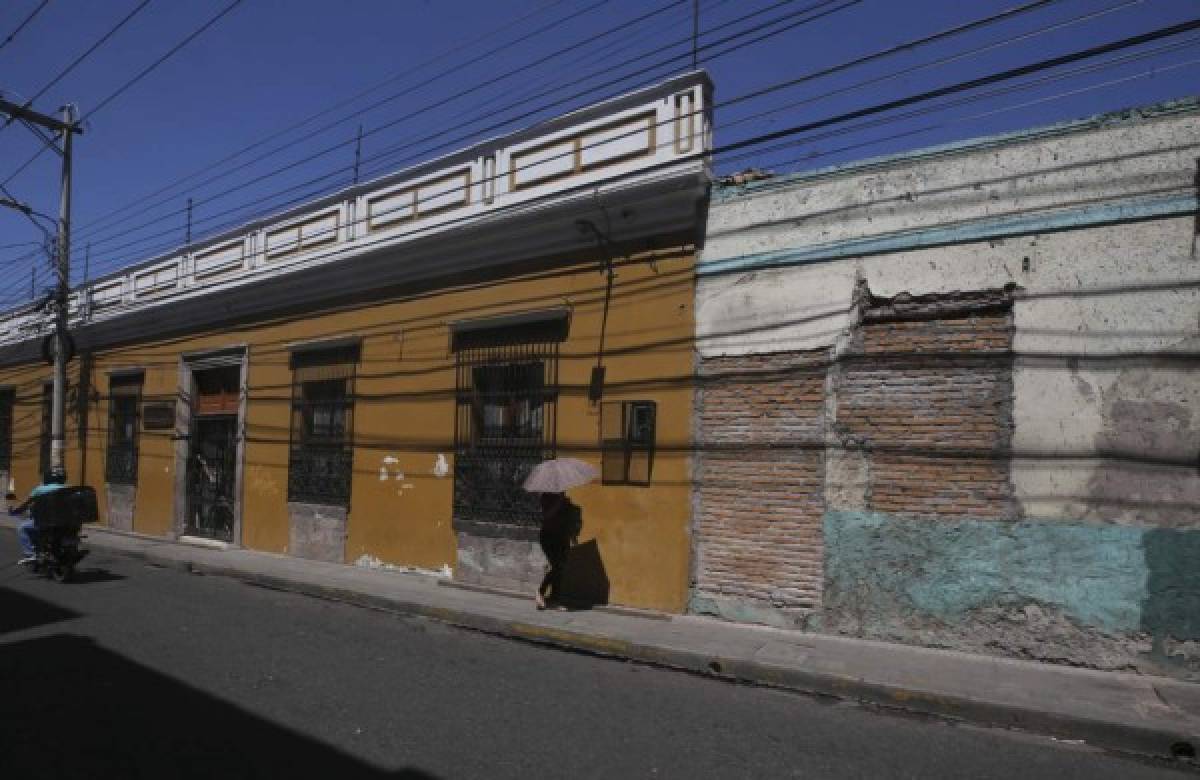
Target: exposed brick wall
[(931, 401), (760, 478)]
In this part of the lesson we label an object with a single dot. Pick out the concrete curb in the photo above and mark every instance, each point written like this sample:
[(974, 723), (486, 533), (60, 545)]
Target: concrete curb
[(1112, 735)]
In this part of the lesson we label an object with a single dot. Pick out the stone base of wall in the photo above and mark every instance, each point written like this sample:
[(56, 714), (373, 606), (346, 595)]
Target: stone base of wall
[(120, 506), (753, 611), (317, 532), (509, 564)]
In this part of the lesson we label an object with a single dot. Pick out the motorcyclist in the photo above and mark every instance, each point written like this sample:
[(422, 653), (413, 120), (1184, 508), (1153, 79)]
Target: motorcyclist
[(53, 480)]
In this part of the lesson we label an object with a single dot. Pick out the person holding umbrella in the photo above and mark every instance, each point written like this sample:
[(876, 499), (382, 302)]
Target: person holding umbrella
[(560, 519)]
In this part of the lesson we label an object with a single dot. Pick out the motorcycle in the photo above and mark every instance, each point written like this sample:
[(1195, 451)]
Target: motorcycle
[(58, 519)]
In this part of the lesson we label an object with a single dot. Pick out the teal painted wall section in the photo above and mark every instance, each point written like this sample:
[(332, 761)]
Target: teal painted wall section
[(1121, 580)]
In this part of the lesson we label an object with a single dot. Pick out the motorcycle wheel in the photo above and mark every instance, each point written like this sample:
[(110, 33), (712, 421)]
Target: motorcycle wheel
[(61, 572)]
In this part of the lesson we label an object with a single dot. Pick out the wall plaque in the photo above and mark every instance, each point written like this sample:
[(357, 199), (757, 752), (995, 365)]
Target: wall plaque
[(158, 415)]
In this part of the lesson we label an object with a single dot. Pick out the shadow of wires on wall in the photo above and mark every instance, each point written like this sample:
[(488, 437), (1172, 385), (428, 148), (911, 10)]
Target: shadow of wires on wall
[(72, 709)]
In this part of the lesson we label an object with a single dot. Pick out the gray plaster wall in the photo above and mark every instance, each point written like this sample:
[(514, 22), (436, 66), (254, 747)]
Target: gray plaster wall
[(121, 500), (1095, 225), (1106, 324), (317, 532)]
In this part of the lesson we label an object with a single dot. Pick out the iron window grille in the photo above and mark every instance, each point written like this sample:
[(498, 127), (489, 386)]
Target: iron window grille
[(627, 442), (506, 392), (321, 459), (7, 401), (124, 422)]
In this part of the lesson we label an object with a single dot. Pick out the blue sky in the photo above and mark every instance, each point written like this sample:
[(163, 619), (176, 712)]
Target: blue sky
[(270, 64)]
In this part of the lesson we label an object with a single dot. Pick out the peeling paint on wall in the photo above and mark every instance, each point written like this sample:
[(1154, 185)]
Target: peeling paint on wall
[(365, 561), (1112, 597)]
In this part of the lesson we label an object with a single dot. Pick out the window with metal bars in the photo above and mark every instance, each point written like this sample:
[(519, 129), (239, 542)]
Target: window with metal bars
[(321, 459), (506, 398), (7, 401), (124, 422), (627, 442)]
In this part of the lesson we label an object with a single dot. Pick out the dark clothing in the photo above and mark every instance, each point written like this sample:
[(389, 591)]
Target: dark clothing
[(560, 526), (556, 546)]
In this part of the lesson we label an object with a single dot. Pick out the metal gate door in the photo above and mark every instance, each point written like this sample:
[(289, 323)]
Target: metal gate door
[(212, 472)]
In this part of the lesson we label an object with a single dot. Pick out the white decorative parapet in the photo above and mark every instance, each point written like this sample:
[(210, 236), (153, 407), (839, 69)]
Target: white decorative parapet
[(642, 133)]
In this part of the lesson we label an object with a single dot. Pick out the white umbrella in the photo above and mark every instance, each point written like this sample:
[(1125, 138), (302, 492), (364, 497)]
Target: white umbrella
[(559, 475)]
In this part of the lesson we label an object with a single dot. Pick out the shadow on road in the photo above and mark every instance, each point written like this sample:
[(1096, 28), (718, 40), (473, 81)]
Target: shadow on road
[(71, 708), (19, 612), (84, 576)]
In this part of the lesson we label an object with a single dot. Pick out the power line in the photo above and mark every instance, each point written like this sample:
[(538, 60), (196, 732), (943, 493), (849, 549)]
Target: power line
[(903, 47), (166, 56), (142, 74), (1116, 61), (1005, 75), (347, 101), (103, 39), (21, 26), (669, 62), (423, 109), (736, 100), (1148, 73), (445, 101), (895, 74), (973, 84)]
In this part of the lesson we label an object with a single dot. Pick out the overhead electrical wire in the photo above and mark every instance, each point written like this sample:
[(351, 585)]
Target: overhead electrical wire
[(409, 116), (87, 53), (744, 96), (37, 10), (959, 29), (1002, 90), (963, 86), (138, 77), (993, 78), (956, 30), (621, 83), (541, 60), (902, 72), (1148, 73), (292, 165), (408, 73), (153, 222), (962, 101)]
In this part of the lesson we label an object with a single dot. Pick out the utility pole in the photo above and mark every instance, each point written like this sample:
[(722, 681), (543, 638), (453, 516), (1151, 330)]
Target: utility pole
[(63, 296), (66, 127), (695, 31), (187, 238)]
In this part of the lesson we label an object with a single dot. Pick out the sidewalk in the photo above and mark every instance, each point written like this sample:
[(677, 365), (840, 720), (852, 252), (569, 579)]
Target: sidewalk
[(1125, 712)]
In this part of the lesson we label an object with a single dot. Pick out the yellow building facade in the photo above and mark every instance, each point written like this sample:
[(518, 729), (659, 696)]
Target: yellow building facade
[(375, 400)]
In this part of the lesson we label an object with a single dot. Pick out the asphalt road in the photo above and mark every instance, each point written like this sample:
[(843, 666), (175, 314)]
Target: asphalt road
[(141, 672)]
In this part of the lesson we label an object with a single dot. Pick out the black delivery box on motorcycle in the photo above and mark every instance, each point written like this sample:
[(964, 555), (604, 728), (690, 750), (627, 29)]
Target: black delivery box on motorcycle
[(66, 509)]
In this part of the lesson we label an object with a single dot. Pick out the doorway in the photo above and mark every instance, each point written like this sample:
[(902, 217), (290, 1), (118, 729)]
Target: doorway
[(212, 463)]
